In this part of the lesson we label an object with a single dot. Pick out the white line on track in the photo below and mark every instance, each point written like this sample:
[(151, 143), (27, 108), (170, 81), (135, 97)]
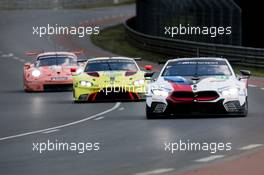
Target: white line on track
[(121, 109), (15, 58), (157, 171), (50, 131), (22, 60), (10, 55), (99, 118), (252, 85), (210, 158), (262, 89), (249, 147), (116, 106), (7, 55)]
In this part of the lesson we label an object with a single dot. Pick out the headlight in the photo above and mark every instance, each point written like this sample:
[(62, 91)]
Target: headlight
[(86, 83), (139, 82), (160, 92), (232, 92), (36, 73)]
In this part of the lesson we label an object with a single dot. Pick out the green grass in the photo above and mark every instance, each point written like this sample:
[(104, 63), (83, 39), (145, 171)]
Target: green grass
[(128, 2), (258, 72), (113, 39)]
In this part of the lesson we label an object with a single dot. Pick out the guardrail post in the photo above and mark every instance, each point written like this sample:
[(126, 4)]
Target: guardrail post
[(197, 52)]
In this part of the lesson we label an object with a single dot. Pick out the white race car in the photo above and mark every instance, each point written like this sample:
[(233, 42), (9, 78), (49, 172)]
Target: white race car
[(198, 86)]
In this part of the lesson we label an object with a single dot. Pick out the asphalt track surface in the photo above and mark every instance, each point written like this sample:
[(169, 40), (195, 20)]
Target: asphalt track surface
[(129, 144)]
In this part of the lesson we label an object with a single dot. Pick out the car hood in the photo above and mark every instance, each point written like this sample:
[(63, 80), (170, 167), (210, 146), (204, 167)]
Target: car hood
[(108, 78), (200, 84), (54, 70)]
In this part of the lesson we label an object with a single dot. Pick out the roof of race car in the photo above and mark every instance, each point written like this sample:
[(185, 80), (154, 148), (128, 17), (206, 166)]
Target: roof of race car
[(198, 58), (108, 58), (45, 54)]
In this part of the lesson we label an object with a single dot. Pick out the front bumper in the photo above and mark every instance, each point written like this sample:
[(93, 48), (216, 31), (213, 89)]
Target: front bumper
[(40, 86), (167, 106), (231, 107), (107, 94)]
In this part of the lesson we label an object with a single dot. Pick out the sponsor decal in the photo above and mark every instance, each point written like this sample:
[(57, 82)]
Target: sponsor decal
[(176, 79), (58, 78)]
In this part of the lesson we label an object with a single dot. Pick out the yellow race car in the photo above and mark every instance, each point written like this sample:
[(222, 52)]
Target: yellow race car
[(110, 78)]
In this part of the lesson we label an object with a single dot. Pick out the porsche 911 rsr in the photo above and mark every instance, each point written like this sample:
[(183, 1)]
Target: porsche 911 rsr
[(197, 86), (110, 78), (50, 71)]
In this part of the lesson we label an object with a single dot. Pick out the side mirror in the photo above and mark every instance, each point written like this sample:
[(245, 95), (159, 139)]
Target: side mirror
[(245, 74), (27, 65), (148, 67), (73, 71)]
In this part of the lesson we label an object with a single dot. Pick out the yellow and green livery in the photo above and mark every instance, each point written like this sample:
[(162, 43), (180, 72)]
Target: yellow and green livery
[(110, 78)]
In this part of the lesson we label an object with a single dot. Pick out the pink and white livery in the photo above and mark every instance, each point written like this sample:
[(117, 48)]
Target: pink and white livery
[(50, 71), (198, 86)]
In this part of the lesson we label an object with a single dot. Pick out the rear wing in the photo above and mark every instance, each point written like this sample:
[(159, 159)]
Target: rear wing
[(32, 53), (137, 59), (36, 53), (78, 52), (83, 60)]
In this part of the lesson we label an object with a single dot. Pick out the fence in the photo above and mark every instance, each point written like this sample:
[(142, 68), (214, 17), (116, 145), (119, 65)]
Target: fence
[(246, 56), (153, 15)]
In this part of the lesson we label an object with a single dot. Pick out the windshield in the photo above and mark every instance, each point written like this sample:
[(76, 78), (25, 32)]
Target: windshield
[(197, 68), (55, 61), (111, 65)]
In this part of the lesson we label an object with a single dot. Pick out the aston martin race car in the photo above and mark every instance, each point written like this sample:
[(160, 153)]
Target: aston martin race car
[(49, 71), (110, 78), (198, 86)]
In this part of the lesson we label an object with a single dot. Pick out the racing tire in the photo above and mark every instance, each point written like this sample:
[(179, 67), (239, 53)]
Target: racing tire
[(27, 91), (245, 109), (149, 114), (79, 101)]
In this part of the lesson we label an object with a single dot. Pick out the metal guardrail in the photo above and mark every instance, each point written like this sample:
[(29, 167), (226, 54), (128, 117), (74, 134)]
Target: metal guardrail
[(245, 56)]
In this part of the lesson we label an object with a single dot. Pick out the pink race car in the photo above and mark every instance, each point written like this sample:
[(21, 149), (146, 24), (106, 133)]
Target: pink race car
[(50, 71)]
